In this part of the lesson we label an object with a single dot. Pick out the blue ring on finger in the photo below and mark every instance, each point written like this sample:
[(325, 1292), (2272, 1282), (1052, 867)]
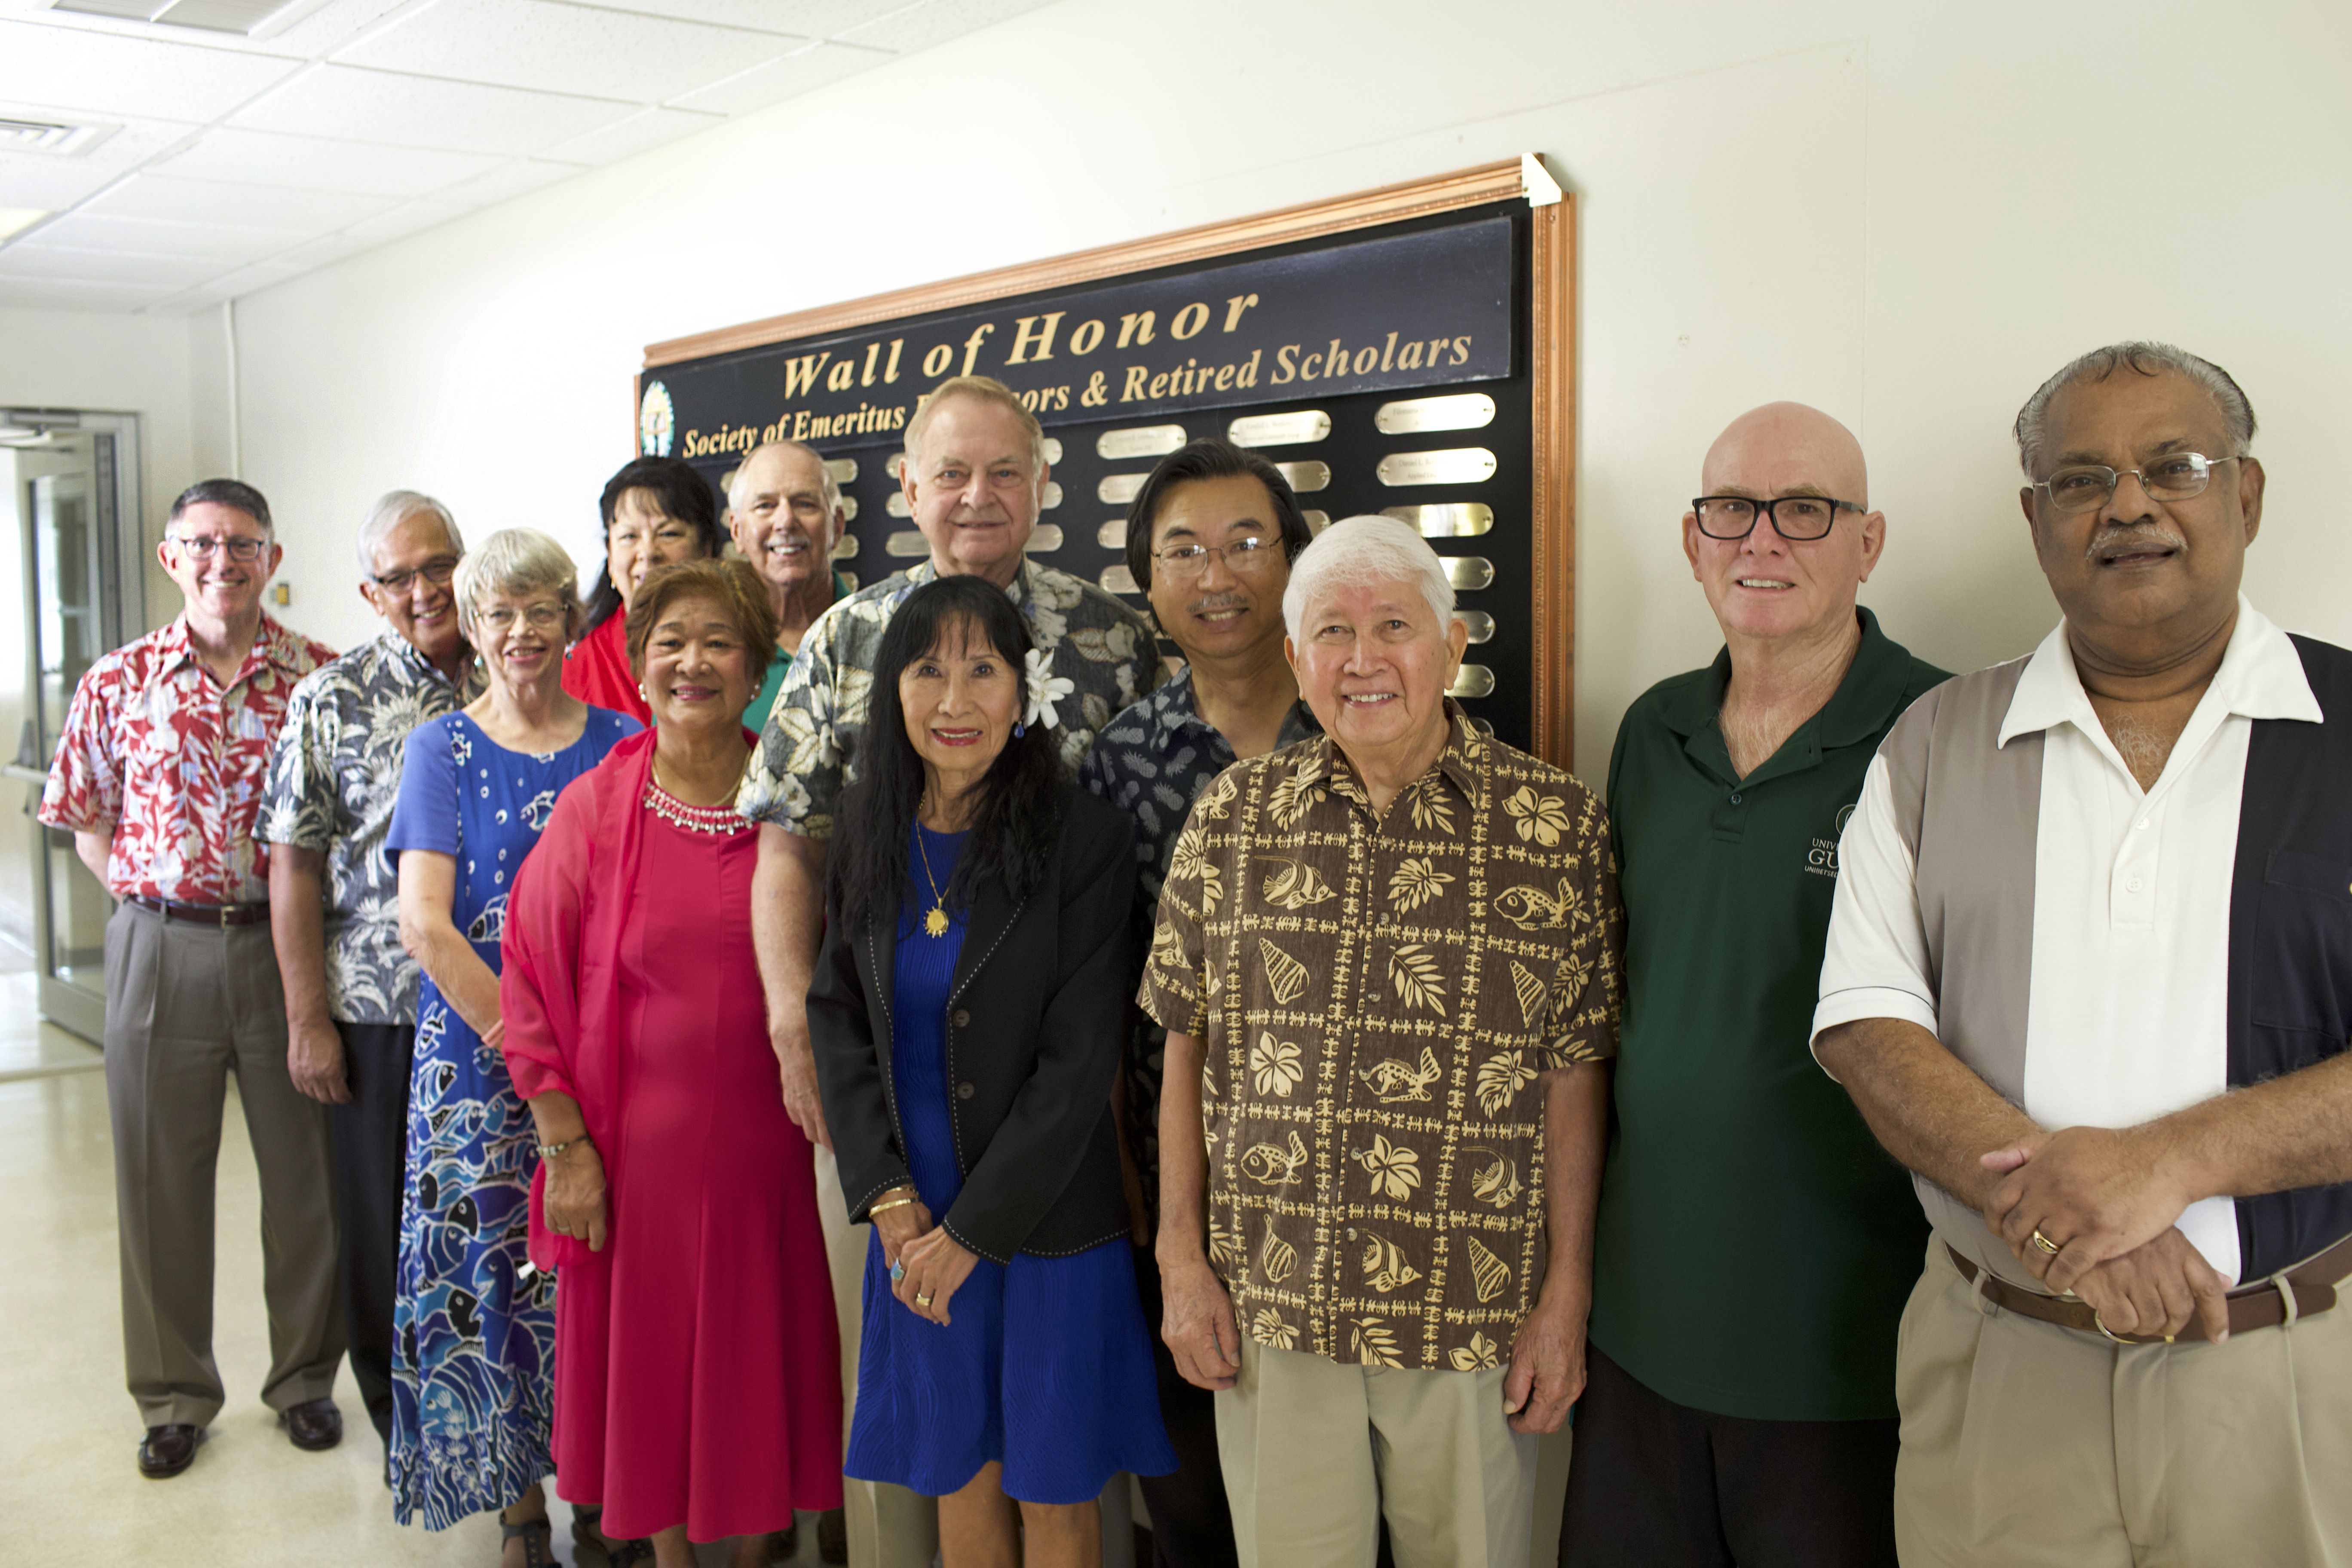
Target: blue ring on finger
[(897, 1272)]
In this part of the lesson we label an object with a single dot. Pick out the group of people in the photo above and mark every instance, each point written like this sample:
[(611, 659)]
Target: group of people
[(1255, 1077)]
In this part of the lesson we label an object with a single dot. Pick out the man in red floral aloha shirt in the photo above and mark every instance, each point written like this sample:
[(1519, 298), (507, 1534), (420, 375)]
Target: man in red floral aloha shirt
[(159, 775)]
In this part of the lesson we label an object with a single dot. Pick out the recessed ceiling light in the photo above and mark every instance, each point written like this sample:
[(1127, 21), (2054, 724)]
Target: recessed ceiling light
[(16, 220), (248, 18), (52, 138)]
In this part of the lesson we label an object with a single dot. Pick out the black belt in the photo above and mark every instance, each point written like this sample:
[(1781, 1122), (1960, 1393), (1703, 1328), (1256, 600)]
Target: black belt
[(204, 914)]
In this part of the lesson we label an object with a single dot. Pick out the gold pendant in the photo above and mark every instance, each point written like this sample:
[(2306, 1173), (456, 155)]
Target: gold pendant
[(936, 922)]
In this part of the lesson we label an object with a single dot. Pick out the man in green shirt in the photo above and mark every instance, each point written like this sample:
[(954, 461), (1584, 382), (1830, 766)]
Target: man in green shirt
[(1754, 1245), (784, 513)]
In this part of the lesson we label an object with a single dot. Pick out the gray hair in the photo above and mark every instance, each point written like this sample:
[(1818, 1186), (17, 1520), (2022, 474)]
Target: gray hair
[(515, 561), (393, 508), (832, 485), (980, 389), (1356, 551), (2147, 359)]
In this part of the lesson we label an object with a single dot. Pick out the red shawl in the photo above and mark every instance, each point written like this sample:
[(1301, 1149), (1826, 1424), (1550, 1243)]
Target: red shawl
[(597, 670)]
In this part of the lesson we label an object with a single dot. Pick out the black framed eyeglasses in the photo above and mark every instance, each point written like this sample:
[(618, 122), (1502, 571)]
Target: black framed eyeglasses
[(2176, 476), (1794, 517), (437, 571), (200, 546)]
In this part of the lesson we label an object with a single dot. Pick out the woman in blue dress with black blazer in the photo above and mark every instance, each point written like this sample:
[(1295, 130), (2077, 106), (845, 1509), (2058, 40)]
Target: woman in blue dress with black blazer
[(966, 1014)]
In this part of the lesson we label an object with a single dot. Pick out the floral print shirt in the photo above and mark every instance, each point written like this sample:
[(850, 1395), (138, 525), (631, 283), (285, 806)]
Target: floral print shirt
[(157, 749), (332, 783), (1098, 643), (1378, 997)]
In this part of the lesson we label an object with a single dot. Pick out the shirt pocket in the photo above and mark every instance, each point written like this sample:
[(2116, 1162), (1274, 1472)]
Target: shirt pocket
[(2302, 967)]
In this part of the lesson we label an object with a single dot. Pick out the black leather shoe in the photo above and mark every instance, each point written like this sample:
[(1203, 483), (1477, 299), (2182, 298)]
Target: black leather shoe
[(313, 1425), (169, 1449)]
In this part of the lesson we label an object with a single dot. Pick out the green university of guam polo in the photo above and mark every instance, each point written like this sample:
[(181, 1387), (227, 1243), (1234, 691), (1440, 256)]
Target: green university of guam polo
[(1755, 1245)]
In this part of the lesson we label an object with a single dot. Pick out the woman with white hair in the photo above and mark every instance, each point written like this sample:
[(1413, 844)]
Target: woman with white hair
[(472, 1326)]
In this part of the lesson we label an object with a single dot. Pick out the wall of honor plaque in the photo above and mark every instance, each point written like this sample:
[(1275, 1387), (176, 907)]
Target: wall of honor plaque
[(1404, 351)]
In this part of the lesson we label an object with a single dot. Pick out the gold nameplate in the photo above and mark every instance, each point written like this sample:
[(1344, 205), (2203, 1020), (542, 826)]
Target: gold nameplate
[(1052, 496), (850, 508), (1454, 466), (897, 505), (1045, 536), (1305, 477), (888, 464), (1316, 521), (1138, 441), (1462, 411), (848, 577), (1052, 450), (846, 547), (1118, 490), (1279, 430), (1478, 623), (1474, 680), (842, 470), (1118, 580), (1112, 535), (1469, 571), (1446, 519), (909, 542)]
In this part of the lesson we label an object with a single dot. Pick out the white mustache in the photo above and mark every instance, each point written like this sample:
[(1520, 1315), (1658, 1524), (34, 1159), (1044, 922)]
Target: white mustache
[(2120, 541)]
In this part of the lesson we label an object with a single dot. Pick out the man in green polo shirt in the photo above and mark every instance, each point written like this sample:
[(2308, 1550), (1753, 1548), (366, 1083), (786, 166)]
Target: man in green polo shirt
[(784, 513), (1754, 1245)]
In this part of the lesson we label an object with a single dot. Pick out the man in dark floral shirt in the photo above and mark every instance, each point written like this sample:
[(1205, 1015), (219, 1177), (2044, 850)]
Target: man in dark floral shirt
[(350, 990), (1209, 539)]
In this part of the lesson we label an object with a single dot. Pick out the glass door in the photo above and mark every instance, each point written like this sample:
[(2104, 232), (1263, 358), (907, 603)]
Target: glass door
[(76, 482)]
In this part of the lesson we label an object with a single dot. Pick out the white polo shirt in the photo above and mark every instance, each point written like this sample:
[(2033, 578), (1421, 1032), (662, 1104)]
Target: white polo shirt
[(2127, 987)]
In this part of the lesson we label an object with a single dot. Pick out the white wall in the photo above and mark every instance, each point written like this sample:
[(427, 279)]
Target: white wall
[(1905, 214)]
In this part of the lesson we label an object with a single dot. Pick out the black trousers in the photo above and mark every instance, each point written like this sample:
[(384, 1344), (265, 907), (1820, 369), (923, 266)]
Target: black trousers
[(1191, 1524), (1653, 1484), (371, 1152)]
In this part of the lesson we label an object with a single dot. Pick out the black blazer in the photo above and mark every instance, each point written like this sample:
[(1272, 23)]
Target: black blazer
[(1034, 1031)]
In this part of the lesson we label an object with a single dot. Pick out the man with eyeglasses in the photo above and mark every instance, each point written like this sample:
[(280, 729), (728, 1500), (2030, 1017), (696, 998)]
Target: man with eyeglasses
[(159, 777), (1753, 1247), (1210, 538), (351, 988), (2090, 977)]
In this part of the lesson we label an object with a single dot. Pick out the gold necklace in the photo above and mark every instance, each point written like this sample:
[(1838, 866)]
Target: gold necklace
[(728, 800), (935, 923)]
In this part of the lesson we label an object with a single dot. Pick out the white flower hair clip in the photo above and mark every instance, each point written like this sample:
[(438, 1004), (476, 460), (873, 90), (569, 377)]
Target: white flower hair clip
[(1045, 689)]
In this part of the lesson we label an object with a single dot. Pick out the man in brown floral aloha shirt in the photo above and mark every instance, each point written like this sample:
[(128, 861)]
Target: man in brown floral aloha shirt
[(1388, 963)]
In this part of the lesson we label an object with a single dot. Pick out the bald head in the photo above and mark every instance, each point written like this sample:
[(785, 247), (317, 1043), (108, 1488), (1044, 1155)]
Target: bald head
[(1764, 587), (1801, 447)]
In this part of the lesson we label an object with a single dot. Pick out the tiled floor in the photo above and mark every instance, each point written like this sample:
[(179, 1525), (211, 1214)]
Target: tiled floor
[(70, 1490)]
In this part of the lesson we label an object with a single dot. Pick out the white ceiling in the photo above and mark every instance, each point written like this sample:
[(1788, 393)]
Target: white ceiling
[(222, 164)]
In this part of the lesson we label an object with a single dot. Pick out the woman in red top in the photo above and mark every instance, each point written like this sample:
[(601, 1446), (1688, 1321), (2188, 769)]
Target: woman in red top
[(656, 510)]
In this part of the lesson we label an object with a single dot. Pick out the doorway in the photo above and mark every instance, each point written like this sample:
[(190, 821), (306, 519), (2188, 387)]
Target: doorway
[(70, 539)]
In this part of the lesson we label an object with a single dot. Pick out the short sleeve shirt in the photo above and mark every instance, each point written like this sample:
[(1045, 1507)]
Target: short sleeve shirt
[(1732, 1157), (332, 783), (1152, 761), (1104, 647), (176, 763), (1377, 997)]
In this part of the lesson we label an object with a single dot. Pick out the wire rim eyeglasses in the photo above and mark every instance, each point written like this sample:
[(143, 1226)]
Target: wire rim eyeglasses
[(2175, 476), (1249, 554), (204, 546), (436, 573)]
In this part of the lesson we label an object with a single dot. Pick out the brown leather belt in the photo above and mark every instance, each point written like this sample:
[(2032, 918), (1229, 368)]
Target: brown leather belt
[(2261, 1305), (204, 914)]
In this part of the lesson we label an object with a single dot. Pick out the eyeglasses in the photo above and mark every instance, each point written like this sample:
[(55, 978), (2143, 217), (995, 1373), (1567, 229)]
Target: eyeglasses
[(437, 571), (1250, 553), (2176, 476), (200, 546), (543, 617), (1793, 517)]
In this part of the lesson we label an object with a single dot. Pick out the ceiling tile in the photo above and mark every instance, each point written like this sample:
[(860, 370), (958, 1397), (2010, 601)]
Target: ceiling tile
[(335, 22), (324, 249), (27, 259), (424, 111), (28, 180), (155, 236), (759, 15), (310, 162), (928, 22), (779, 79), (648, 128), (560, 48), (56, 293), (515, 179), (99, 73), (410, 217), (253, 207)]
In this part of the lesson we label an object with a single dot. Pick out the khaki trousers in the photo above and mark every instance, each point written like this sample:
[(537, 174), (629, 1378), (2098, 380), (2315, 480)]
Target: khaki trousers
[(1316, 1452), (186, 1006), (2025, 1443)]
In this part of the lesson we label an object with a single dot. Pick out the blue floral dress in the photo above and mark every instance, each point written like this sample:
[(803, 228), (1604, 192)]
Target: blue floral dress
[(473, 1327)]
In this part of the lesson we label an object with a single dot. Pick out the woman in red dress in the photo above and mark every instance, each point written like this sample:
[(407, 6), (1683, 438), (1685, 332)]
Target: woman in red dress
[(656, 510), (697, 1381)]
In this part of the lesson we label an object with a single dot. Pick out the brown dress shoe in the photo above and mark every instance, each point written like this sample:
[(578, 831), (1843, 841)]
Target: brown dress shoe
[(168, 1450), (313, 1425)]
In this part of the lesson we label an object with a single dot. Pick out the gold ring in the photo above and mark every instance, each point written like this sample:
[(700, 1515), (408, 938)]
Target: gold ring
[(2045, 1244), (2100, 1324), (922, 1301)]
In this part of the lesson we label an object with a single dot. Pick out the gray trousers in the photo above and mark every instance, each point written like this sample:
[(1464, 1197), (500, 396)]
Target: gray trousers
[(187, 1005)]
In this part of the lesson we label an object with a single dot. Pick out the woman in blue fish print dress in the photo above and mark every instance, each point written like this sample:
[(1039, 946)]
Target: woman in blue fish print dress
[(472, 1326)]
